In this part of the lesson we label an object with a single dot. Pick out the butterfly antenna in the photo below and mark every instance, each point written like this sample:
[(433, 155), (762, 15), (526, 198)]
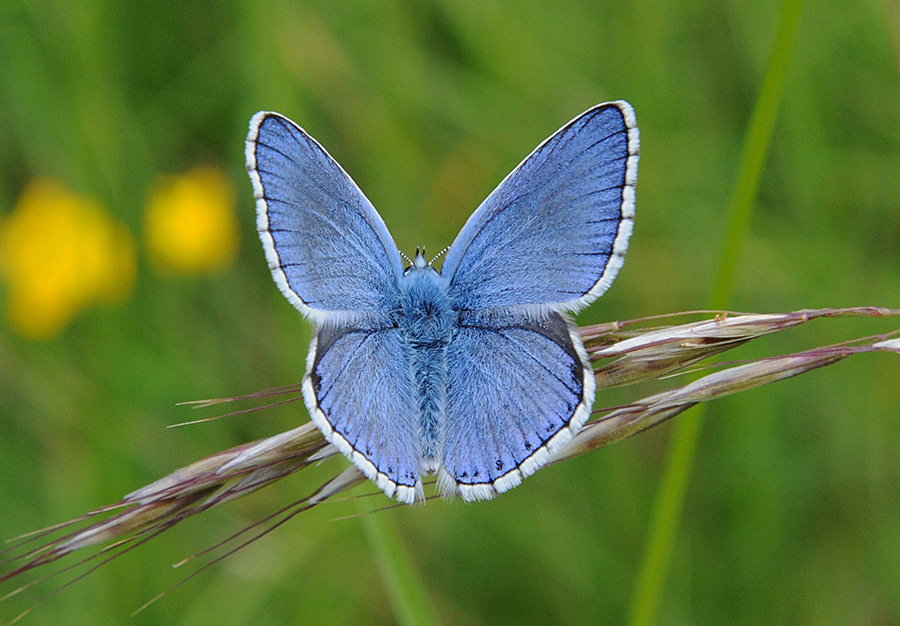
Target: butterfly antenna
[(438, 255), (406, 258)]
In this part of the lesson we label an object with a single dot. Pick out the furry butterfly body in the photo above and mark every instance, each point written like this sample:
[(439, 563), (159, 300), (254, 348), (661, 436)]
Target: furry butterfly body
[(475, 372)]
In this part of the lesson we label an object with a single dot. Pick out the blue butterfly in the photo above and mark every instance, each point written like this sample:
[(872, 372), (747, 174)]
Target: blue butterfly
[(476, 371)]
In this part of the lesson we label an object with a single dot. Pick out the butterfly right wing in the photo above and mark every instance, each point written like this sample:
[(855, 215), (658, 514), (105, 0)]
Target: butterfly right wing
[(328, 249), (550, 238), (359, 391)]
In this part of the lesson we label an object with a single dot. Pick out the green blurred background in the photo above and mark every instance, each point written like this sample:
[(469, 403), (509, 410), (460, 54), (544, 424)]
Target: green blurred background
[(793, 509)]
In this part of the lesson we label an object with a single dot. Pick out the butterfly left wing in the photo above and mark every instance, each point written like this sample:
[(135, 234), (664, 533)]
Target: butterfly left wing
[(553, 234), (359, 391), (519, 387), (328, 249)]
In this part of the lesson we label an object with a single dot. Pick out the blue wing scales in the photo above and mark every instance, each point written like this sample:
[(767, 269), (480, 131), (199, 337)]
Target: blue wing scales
[(359, 391), (519, 388), (553, 234), (328, 249)]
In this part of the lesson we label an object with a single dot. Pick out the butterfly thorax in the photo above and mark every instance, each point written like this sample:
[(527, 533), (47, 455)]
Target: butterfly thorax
[(425, 313), (426, 320)]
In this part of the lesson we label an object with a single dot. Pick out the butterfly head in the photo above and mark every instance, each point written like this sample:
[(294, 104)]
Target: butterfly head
[(420, 261)]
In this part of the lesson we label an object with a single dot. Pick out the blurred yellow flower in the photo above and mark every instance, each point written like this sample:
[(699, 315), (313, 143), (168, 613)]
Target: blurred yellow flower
[(60, 253), (190, 226)]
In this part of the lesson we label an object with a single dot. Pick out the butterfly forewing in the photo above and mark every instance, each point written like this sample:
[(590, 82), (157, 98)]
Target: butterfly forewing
[(329, 250), (553, 234)]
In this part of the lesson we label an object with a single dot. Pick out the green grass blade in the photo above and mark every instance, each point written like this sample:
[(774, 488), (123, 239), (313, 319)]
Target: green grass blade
[(670, 498), (756, 147), (403, 584)]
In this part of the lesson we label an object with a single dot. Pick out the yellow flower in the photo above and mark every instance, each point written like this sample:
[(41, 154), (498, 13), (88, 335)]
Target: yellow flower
[(190, 226), (60, 253)]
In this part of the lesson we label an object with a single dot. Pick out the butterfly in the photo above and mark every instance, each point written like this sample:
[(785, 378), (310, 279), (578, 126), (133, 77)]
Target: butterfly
[(474, 372)]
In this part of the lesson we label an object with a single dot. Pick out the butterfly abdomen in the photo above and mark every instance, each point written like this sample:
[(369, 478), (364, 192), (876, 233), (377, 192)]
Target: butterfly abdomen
[(427, 321)]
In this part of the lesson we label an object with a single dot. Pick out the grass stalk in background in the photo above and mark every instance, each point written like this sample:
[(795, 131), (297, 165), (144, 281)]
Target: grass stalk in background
[(670, 497), (403, 585)]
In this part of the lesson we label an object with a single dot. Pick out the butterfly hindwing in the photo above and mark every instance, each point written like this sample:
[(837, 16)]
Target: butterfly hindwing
[(518, 388), (329, 250), (553, 234), (359, 391)]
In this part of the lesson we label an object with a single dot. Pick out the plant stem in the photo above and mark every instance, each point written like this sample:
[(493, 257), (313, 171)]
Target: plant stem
[(670, 497)]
